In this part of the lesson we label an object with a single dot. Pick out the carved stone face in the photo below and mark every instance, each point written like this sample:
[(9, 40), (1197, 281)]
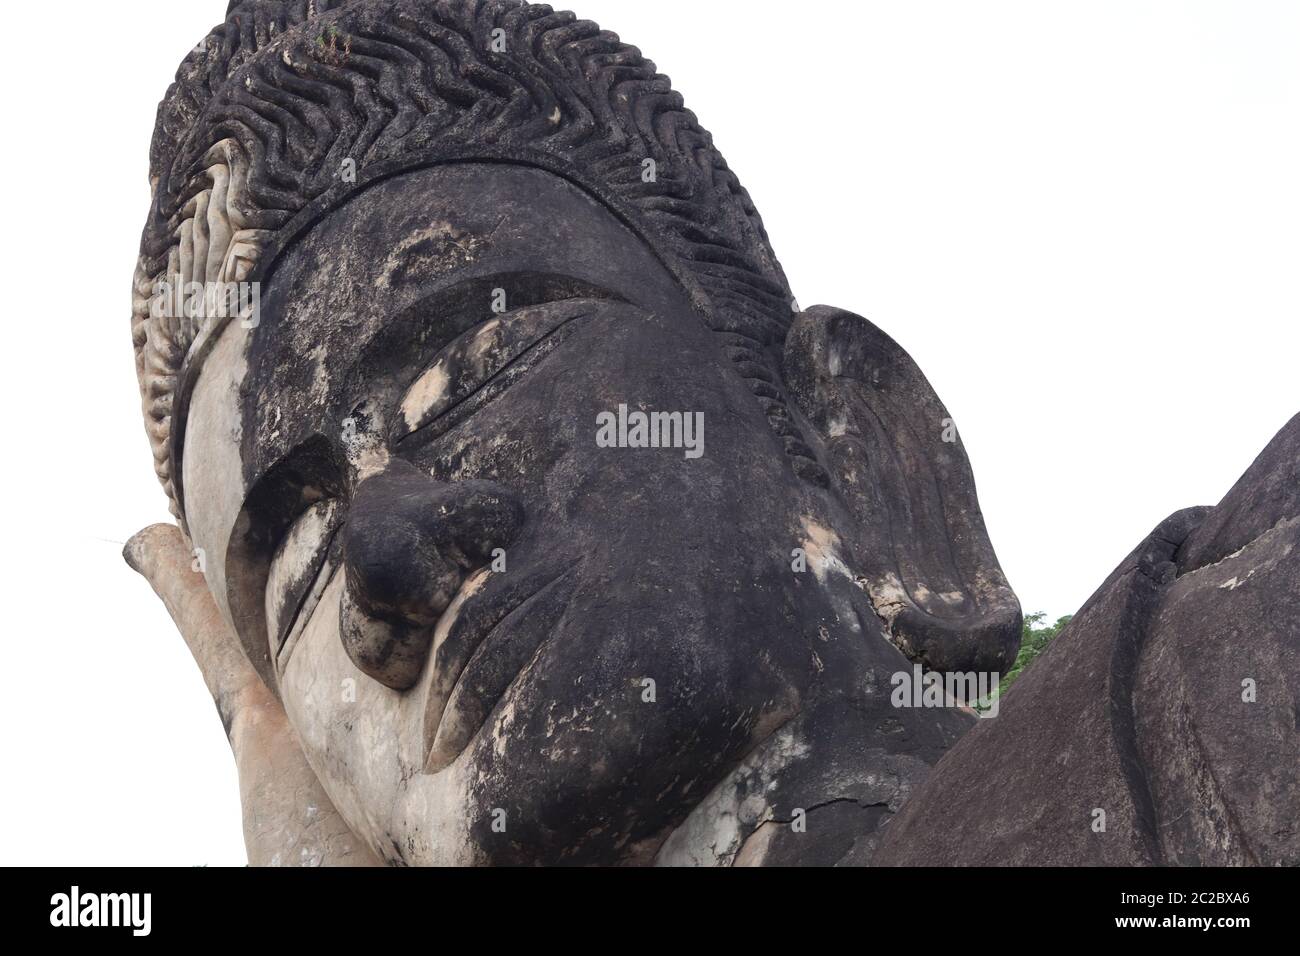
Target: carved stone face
[(558, 532), (476, 615)]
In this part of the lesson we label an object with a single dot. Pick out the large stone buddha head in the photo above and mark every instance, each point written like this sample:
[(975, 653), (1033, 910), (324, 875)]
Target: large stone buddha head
[(510, 471)]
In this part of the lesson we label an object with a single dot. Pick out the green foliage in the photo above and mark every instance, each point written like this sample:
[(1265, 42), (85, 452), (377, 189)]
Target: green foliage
[(1034, 639)]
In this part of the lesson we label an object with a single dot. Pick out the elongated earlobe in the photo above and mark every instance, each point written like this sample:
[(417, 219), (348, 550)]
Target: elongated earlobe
[(897, 463)]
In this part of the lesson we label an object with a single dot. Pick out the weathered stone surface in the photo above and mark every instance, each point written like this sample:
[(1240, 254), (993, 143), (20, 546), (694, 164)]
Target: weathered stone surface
[(1143, 708), (502, 627)]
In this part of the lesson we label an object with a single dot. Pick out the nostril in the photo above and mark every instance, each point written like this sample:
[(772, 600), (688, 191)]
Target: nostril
[(408, 545)]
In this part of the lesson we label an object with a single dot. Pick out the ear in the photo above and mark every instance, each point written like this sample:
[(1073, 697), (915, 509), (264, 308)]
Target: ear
[(896, 462)]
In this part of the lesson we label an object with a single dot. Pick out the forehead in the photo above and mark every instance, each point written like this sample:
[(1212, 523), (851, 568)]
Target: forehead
[(362, 302)]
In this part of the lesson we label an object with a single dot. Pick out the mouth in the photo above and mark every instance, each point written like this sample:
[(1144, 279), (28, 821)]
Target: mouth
[(486, 639)]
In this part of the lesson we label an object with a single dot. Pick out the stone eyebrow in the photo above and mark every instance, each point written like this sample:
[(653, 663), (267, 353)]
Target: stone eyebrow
[(469, 301)]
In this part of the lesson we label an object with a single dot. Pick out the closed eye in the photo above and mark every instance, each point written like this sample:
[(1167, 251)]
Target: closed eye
[(482, 356), (283, 539), (300, 569)]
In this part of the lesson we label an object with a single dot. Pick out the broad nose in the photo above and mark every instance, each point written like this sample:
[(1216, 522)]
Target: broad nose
[(409, 543)]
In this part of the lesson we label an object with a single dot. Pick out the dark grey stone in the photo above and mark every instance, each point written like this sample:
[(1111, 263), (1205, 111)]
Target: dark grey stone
[(478, 227), (1142, 708)]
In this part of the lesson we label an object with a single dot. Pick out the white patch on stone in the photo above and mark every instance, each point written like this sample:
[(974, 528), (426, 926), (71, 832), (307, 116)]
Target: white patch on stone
[(1234, 583), (453, 248), (485, 337), (320, 379), (424, 394), (714, 831), (367, 452), (888, 596), (821, 545), (298, 555)]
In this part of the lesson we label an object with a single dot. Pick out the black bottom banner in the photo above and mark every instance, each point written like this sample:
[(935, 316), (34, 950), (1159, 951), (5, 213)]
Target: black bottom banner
[(211, 906)]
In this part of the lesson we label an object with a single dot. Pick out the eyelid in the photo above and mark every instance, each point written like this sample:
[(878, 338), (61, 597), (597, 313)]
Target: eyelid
[(480, 355), (298, 572)]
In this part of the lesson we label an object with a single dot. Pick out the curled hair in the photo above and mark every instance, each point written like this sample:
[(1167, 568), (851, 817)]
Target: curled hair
[(252, 133)]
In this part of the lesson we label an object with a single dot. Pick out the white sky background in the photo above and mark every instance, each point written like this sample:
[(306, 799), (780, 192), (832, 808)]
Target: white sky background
[(1082, 219)]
